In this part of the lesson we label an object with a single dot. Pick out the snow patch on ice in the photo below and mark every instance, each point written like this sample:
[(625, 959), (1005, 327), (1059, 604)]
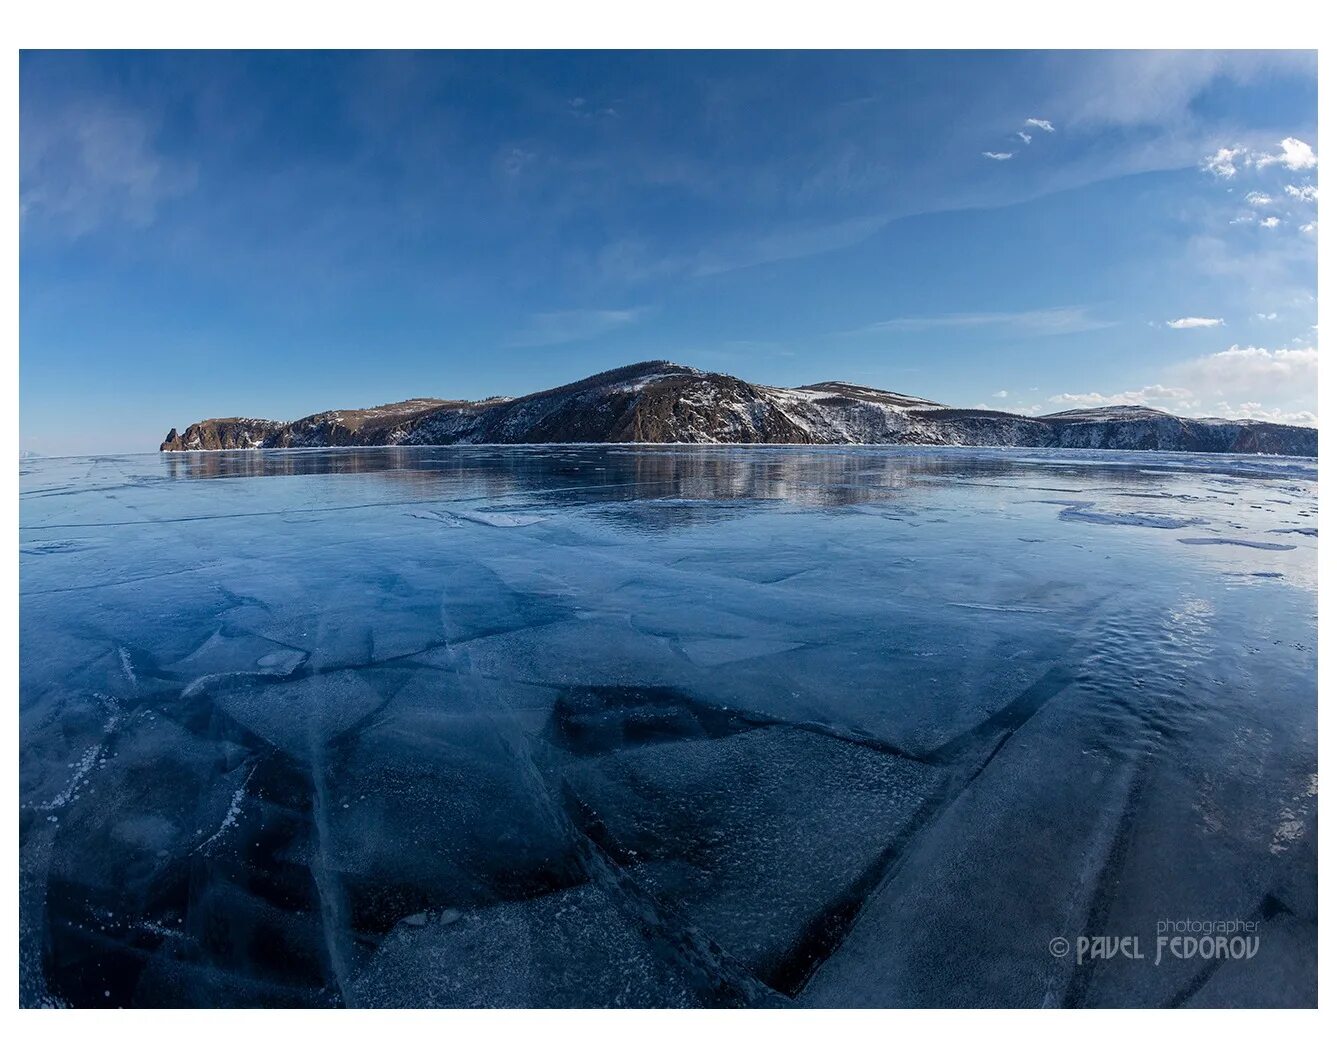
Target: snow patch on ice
[(127, 667), (1259, 544), (1150, 521)]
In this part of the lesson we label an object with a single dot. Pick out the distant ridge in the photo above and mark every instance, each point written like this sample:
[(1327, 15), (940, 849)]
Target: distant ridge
[(659, 402)]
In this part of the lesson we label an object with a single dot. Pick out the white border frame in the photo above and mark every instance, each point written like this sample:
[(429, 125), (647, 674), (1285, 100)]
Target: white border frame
[(605, 24)]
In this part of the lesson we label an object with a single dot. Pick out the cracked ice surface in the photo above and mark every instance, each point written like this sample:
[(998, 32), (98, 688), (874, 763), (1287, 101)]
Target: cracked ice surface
[(663, 726)]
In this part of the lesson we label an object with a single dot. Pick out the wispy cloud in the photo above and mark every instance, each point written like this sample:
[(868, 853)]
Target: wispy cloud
[(730, 351), (558, 328), (91, 162), (1306, 193), (1159, 88), (1023, 135), (515, 160), (785, 244), (1063, 320), (1269, 222), (580, 107), (1257, 198), (1188, 322)]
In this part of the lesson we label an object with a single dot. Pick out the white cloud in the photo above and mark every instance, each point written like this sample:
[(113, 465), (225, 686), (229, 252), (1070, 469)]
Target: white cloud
[(997, 156), (1295, 155), (1265, 315), (557, 328), (1039, 123), (1278, 385), (1001, 393), (1268, 222), (1309, 228), (1025, 137), (1227, 161), (1257, 198), (1277, 376), (1306, 193), (1273, 361), (1014, 409), (1186, 322), (1066, 320), (1222, 163), (1151, 396), (1252, 409)]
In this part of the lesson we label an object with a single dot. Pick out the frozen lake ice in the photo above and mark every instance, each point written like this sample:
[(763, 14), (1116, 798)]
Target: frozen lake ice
[(665, 726)]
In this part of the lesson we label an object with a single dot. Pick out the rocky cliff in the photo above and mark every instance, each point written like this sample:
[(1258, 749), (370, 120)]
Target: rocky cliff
[(660, 402)]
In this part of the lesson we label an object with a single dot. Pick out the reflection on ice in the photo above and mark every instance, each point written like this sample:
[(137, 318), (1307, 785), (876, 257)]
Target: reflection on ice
[(662, 726)]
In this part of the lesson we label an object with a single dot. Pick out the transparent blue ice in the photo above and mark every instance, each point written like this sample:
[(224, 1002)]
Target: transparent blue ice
[(588, 726)]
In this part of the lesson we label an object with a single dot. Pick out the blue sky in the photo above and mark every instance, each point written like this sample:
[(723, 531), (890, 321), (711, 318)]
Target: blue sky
[(274, 234)]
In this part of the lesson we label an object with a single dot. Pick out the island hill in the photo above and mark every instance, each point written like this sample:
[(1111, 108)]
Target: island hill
[(663, 403)]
